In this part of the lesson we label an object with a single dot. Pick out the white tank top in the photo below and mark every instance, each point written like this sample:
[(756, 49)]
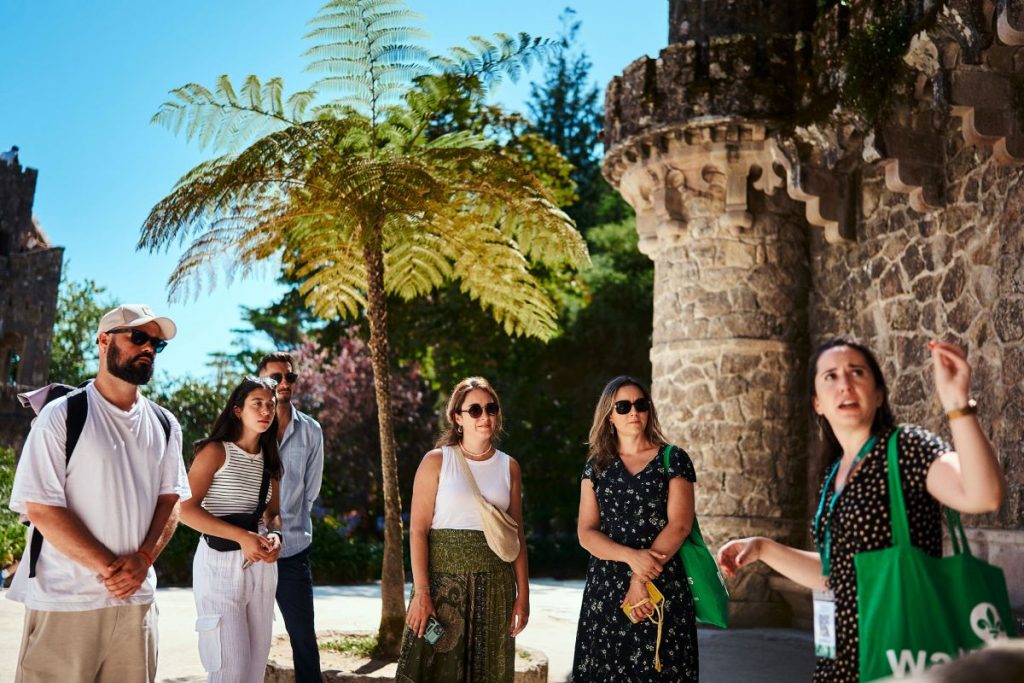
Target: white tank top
[(455, 506)]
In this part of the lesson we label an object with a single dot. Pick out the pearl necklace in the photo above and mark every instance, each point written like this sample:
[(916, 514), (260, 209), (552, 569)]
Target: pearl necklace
[(471, 454)]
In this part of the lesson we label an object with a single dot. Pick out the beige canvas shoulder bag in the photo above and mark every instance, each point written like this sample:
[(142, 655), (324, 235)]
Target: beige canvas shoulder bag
[(500, 530)]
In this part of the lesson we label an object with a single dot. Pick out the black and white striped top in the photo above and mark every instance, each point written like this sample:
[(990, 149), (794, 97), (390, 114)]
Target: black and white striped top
[(236, 485)]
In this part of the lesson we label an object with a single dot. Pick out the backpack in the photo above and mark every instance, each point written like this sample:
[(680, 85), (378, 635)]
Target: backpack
[(74, 423)]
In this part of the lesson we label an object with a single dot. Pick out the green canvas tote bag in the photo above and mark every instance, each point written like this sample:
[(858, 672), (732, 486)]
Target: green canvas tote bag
[(710, 596), (915, 610)]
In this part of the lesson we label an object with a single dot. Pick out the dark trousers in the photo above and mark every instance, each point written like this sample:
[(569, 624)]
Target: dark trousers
[(295, 599)]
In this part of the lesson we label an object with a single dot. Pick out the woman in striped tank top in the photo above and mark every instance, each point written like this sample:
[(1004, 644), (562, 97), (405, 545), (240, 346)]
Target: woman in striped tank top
[(234, 479)]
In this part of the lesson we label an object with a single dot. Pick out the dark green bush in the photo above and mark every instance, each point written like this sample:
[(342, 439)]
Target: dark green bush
[(174, 566), (338, 559), (557, 556), (12, 532)]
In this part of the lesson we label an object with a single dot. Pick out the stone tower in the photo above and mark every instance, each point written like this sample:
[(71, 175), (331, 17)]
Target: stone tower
[(799, 173), (30, 271), (691, 147)]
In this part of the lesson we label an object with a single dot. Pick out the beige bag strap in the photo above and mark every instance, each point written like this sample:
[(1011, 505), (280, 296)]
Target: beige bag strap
[(468, 474)]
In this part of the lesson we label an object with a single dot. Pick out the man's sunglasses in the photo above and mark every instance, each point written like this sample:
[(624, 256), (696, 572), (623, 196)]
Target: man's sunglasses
[(290, 376), (476, 410), (140, 338), (642, 405)]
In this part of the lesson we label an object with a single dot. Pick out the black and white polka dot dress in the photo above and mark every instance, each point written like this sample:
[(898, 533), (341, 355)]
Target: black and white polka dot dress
[(609, 648), (861, 522)]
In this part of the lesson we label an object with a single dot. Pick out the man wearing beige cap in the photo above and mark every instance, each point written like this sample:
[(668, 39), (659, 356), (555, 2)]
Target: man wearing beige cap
[(99, 518)]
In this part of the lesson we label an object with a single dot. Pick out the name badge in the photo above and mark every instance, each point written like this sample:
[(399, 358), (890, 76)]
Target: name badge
[(825, 624)]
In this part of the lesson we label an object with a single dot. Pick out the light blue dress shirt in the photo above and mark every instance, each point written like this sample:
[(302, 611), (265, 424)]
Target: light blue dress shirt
[(302, 456)]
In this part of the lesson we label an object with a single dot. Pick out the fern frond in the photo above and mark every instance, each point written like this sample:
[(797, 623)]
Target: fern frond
[(220, 118), (367, 50), (491, 60)]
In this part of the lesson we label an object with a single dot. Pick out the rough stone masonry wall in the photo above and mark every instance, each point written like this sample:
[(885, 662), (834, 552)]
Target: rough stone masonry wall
[(955, 274)]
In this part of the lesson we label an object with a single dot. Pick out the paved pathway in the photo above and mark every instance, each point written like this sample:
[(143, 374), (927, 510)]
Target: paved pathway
[(734, 656)]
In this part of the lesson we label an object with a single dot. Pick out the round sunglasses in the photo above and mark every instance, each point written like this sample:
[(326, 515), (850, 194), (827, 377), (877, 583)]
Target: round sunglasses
[(476, 410), (642, 405)]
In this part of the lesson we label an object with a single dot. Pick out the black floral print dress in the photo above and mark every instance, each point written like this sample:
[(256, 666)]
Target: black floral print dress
[(610, 648), (861, 522)]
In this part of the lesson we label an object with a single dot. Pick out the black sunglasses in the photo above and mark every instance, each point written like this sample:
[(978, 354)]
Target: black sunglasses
[(290, 376), (476, 410), (140, 338), (642, 405)]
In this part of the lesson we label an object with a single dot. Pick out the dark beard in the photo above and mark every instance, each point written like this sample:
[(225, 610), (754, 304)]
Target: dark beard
[(137, 375)]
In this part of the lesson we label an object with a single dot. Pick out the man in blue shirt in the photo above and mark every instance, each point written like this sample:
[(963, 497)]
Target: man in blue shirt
[(301, 443)]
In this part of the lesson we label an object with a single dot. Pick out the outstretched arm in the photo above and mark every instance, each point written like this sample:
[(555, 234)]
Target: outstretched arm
[(802, 566)]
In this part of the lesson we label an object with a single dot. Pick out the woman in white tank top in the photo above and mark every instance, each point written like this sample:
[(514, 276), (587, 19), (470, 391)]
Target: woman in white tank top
[(234, 478), (481, 601)]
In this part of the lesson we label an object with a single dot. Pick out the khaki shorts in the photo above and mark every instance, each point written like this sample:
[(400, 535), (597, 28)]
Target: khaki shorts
[(115, 644)]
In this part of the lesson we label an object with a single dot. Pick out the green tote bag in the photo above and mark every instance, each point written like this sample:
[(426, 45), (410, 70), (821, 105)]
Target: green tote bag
[(710, 597), (915, 610)]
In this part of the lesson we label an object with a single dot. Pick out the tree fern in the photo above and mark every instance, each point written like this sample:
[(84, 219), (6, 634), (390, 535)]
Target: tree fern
[(351, 188)]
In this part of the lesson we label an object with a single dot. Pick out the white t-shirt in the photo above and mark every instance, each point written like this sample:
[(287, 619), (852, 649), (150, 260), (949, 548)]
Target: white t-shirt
[(122, 462), (455, 506)]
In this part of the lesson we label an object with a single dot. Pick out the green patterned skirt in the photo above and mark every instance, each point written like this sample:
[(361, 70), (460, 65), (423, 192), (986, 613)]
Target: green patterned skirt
[(473, 592)]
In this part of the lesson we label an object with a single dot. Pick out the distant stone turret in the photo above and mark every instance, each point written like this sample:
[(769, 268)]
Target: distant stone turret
[(30, 271)]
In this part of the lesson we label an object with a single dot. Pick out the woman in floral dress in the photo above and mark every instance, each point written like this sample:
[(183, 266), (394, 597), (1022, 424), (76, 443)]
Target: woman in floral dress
[(634, 515)]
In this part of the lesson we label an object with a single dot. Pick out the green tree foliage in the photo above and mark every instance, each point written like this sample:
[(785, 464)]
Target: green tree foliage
[(12, 531), (335, 386), (196, 403), (359, 201), (566, 110), (73, 352)]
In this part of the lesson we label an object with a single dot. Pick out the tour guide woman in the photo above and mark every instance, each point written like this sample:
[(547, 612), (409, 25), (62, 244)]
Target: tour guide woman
[(480, 601), (849, 400), (634, 515), (234, 574)]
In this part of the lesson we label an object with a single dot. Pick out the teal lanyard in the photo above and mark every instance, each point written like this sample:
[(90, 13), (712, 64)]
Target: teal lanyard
[(824, 540)]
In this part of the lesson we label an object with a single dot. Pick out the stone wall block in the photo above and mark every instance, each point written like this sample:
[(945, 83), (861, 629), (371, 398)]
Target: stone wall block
[(953, 281), (926, 289), (890, 284), (908, 390), (1013, 365), (1009, 319)]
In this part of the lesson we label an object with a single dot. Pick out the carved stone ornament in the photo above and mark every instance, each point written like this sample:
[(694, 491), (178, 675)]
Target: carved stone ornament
[(656, 170)]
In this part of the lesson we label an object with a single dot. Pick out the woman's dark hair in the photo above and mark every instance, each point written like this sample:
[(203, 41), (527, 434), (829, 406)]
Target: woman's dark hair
[(829, 448), (603, 442), (228, 427), (450, 434)]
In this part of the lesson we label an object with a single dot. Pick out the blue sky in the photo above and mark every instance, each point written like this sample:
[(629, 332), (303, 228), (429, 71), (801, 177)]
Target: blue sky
[(81, 81)]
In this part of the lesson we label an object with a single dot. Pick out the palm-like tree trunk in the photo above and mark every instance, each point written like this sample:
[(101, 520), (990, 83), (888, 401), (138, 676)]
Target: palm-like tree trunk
[(392, 585)]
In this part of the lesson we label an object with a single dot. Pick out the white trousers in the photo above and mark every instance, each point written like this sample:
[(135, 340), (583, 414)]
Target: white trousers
[(236, 614)]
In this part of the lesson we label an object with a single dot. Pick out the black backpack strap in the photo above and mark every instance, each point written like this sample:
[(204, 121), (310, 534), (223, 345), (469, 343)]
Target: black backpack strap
[(78, 410), (74, 423), (261, 502), (165, 421)]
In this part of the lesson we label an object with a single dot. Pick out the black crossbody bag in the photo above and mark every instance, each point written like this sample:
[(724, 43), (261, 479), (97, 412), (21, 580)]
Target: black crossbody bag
[(250, 521)]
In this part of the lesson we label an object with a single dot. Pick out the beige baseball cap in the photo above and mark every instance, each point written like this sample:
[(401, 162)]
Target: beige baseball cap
[(134, 315)]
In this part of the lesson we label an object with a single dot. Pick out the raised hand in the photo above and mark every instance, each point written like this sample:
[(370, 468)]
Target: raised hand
[(952, 374)]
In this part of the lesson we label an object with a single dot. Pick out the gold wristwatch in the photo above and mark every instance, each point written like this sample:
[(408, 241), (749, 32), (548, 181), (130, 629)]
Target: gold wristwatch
[(970, 409)]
